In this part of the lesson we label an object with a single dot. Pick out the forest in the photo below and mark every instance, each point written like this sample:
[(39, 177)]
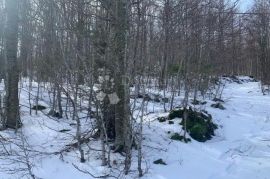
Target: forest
[(129, 89)]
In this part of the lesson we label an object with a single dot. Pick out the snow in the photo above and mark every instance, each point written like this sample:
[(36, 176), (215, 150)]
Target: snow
[(240, 149)]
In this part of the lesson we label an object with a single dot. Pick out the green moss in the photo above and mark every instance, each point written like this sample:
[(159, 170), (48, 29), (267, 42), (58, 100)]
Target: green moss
[(178, 137), (198, 132), (199, 125), (176, 114)]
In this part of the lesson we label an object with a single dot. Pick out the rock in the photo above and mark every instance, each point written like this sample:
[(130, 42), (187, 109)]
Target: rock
[(157, 100), (252, 79), (147, 97), (218, 106), (203, 103), (199, 125), (178, 113), (178, 137), (139, 96), (64, 130), (159, 162), (151, 97), (39, 107), (93, 114), (198, 132), (165, 100), (197, 102), (218, 100), (54, 114), (161, 119)]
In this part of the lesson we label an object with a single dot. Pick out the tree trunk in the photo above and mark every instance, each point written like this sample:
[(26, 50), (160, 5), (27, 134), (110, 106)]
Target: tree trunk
[(122, 117), (12, 73), (25, 37)]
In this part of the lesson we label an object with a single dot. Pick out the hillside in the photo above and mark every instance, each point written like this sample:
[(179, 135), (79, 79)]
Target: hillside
[(240, 148)]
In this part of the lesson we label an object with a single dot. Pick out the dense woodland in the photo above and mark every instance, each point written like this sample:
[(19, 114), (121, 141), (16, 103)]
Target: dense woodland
[(95, 56)]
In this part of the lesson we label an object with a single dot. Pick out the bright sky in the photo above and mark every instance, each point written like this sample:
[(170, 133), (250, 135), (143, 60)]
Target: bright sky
[(245, 4)]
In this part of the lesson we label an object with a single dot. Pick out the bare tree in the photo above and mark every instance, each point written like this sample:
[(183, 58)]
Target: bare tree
[(12, 73)]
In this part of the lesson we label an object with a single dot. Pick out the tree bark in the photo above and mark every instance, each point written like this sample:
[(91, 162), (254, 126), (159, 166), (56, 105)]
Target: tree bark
[(122, 119), (12, 73)]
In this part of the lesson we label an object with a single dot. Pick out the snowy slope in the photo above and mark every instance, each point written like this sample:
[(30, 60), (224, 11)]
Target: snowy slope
[(240, 150)]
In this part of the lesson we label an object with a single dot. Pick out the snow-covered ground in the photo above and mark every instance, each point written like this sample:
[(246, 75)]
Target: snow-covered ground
[(240, 149)]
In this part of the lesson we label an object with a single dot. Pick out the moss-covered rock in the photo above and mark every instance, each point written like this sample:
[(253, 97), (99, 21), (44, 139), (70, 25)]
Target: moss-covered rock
[(198, 132), (199, 125), (161, 119), (178, 137), (178, 113)]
